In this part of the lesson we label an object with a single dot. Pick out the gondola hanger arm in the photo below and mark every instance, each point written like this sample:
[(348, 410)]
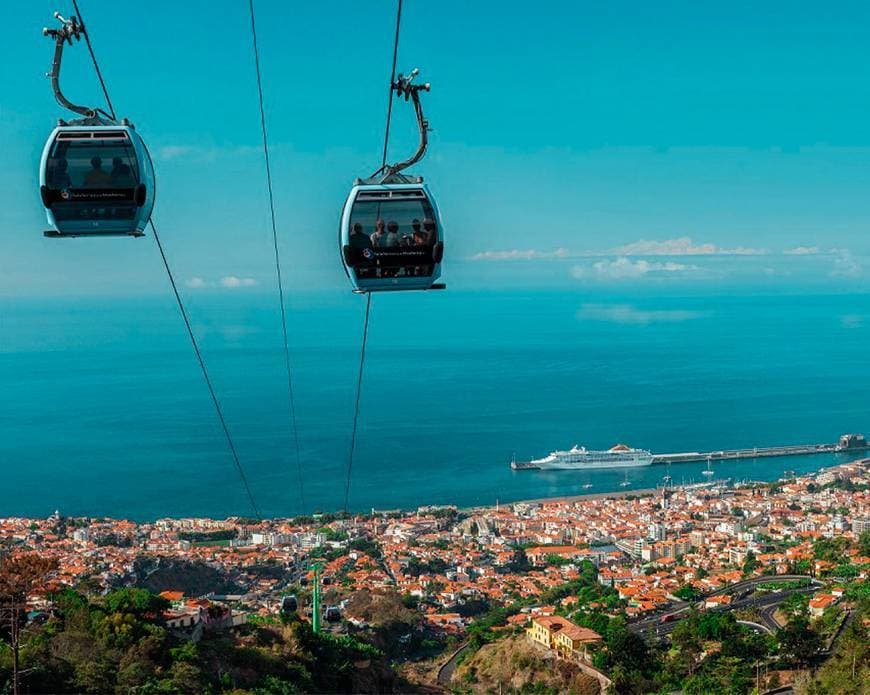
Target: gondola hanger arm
[(70, 29), (404, 86)]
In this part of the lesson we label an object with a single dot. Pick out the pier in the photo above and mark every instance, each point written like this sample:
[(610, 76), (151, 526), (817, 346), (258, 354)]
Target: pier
[(846, 443)]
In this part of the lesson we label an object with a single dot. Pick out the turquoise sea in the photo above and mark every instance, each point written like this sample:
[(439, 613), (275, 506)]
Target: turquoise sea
[(103, 409)]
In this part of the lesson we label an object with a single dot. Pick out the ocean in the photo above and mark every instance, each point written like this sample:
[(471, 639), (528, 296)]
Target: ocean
[(104, 411)]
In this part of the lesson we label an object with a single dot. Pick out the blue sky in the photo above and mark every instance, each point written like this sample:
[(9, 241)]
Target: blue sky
[(574, 144)]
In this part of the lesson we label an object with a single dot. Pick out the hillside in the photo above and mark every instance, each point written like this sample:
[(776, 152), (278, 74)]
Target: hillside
[(513, 663)]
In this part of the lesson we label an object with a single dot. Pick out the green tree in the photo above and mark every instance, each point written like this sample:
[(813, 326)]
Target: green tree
[(137, 602), (796, 605), (519, 564), (750, 564), (798, 640), (847, 672), (687, 592), (830, 549), (367, 546), (20, 576)]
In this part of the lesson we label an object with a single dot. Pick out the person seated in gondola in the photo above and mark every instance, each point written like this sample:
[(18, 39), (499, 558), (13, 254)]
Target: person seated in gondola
[(361, 244), (431, 231), (358, 238), (392, 238), (59, 176), (96, 177), (379, 233), (122, 175)]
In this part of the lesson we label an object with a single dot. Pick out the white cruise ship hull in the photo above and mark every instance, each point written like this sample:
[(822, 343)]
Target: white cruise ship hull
[(582, 459), (544, 465)]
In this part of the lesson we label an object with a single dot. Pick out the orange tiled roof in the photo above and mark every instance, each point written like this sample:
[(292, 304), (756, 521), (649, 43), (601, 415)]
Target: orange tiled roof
[(172, 595), (566, 627)]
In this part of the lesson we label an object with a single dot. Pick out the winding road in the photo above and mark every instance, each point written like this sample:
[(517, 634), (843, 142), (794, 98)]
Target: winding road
[(766, 603)]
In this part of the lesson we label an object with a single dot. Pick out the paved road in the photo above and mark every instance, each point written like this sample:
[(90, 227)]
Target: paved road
[(765, 601), (445, 673), (767, 618), (755, 581), (739, 588), (758, 627)]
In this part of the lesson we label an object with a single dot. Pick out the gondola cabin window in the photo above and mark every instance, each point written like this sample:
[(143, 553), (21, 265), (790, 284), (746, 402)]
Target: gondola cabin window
[(93, 163), (393, 235)]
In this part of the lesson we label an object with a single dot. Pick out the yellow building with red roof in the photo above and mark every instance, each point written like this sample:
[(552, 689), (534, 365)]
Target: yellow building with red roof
[(562, 636)]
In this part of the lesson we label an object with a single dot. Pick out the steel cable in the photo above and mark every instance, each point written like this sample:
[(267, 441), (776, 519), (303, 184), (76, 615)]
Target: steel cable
[(184, 316), (94, 59), (205, 374), (362, 353), (290, 397)]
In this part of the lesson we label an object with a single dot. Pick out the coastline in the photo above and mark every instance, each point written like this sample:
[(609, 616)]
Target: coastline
[(759, 478)]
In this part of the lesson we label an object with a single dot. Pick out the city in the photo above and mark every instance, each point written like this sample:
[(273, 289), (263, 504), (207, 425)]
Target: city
[(544, 574)]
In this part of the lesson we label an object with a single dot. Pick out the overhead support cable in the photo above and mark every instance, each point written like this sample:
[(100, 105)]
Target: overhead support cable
[(217, 406), (290, 397), (362, 359), (392, 80), (362, 352), (230, 444), (94, 59)]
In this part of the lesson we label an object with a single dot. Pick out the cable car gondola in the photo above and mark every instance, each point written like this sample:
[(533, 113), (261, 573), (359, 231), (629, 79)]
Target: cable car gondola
[(96, 177), (391, 235)]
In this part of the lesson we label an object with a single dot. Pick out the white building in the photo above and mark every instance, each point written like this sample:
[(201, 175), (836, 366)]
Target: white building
[(657, 532)]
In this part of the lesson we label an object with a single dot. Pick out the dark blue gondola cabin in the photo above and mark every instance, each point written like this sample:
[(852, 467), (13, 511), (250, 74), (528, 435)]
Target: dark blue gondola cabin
[(392, 237), (96, 180)]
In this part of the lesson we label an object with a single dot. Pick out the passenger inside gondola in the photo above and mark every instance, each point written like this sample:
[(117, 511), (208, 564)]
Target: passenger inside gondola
[(58, 176), (379, 233), (431, 231), (392, 238), (358, 238), (80, 164), (96, 177), (402, 241), (121, 176)]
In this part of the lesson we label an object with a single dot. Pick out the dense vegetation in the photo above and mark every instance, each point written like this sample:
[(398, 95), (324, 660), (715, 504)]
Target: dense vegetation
[(586, 588), (710, 652), (120, 644)]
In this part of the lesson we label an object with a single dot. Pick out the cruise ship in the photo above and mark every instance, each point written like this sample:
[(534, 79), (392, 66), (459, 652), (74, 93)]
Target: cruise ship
[(580, 458)]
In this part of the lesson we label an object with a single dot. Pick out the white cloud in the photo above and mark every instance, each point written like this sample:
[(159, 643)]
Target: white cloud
[(232, 282), (625, 269), (630, 315), (170, 152), (682, 246), (845, 265), (803, 251), (519, 254), (199, 154), (228, 282)]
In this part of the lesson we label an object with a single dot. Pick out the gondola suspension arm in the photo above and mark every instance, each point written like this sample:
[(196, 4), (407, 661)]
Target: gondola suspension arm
[(70, 29), (403, 86)]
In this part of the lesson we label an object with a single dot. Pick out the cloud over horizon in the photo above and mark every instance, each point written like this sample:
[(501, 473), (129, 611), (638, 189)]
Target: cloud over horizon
[(519, 254), (232, 282), (845, 264), (624, 268), (628, 314), (681, 246), (228, 282)]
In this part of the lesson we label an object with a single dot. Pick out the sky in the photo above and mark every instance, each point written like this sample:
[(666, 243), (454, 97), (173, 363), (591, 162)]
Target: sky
[(674, 144)]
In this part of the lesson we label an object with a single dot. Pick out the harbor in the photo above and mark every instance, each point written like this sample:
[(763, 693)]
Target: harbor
[(847, 443)]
